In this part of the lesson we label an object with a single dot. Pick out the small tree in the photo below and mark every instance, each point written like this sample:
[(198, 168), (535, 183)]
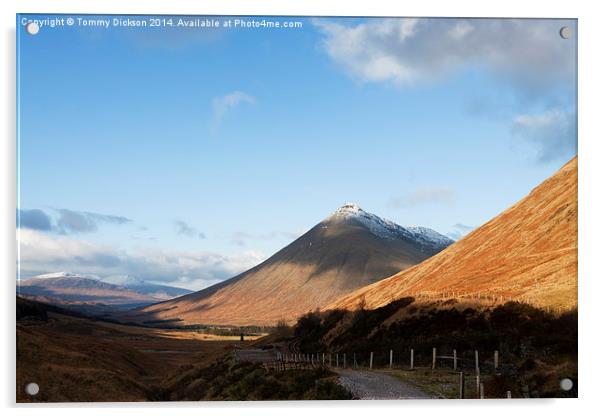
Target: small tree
[(283, 329)]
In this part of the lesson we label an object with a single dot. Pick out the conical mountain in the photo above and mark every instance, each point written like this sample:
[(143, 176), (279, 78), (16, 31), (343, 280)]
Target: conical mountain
[(349, 249), (527, 253)]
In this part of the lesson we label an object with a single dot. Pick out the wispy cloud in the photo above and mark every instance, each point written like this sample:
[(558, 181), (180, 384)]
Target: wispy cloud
[(423, 196), (553, 133), (183, 228), (43, 253), (66, 221), (224, 104), (70, 221)]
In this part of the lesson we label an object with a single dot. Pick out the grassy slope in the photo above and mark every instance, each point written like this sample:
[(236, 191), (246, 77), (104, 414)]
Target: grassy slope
[(527, 253), (230, 380)]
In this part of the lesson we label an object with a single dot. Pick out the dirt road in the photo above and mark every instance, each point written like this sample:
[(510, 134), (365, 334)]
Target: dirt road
[(368, 385)]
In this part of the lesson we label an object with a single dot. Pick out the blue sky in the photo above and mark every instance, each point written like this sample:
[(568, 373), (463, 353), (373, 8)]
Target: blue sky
[(185, 156)]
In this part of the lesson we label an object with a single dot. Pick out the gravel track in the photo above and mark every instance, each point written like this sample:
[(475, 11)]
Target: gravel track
[(369, 385)]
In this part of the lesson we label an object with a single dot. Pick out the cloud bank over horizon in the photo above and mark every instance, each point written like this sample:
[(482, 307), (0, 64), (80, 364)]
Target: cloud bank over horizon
[(41, 253)]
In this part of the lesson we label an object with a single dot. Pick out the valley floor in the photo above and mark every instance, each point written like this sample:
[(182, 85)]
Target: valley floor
[(78, 359)]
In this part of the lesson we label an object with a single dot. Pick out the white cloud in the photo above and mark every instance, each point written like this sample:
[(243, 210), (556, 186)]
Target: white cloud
[(422, 196), (41, 253), (224, 104), (552, 133), (527, 52)]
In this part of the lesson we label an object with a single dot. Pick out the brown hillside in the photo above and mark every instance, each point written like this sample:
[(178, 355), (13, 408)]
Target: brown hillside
[(527, 253)]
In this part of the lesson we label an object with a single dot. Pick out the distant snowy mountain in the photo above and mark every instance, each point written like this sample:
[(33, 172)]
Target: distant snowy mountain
[(92, 294)]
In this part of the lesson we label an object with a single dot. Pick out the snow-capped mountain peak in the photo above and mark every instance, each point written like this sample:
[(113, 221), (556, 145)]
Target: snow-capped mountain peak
[(389, 230), (349, 208)]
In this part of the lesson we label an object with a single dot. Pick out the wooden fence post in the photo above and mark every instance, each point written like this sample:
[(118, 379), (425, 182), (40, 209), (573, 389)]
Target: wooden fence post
[(344, 360), (434, 358), (390, 358), (323, 358), (478, 386), (508, 394), (482, 390), (455, 360), (476, 362), (330, 359), (412, 359), (496, 359), (354, 361), (371, 359), (461, 385), (337, 360)]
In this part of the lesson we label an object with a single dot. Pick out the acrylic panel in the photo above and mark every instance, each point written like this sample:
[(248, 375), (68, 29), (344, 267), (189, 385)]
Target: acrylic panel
[(228, 208)]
